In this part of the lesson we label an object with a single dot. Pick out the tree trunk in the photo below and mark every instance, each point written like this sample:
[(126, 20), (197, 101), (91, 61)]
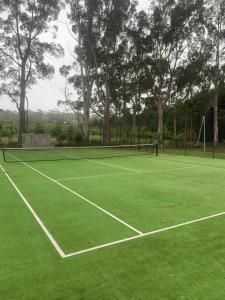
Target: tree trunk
[(191, 127), (86, 93), (106, 122), (133, 134), (215, 116), (106, 117), (174, 124), (124, 131), (160, 120), (86, 126), (22, 111), (117, 124), (86, 113)]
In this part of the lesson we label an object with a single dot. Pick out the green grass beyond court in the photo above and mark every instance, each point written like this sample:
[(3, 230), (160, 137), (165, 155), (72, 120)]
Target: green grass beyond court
[(101, 214)]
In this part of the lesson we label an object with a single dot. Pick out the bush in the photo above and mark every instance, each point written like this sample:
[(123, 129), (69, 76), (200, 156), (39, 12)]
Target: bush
[(55, 131), (95, 141), (7, 130), (38, 128), (78, 138), (61, 138), (95, 131), (177, 142), (167, 134)]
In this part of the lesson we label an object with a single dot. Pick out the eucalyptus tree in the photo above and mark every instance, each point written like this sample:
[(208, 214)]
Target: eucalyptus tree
[(215, 40), (171, 25), (99, 28), (189, 82), (21, 24), (111, 24), (82, 16), (138, 41), (68, 103)]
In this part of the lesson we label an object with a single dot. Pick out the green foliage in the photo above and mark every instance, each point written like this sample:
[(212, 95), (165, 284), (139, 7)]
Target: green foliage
[(23, 50), (177, 141), (128, 62), (38, 128), (7, 129)]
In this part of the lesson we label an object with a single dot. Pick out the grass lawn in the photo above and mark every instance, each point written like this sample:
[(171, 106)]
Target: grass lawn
[(115, 221)]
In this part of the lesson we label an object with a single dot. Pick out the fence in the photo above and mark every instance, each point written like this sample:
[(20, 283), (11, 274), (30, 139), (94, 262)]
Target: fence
[(183, 133)]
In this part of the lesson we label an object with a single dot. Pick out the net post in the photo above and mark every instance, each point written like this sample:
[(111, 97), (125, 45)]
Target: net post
[(213, 142), (139, 120), (11, 132), (185, 136), (213, 148), (157, 149), (3, 154)]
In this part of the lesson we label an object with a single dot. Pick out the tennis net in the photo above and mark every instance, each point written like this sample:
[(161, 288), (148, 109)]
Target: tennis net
[(76, 153)]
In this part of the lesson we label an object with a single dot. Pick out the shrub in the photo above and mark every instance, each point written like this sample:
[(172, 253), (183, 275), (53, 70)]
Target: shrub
[(56, 130), (38, 128), (78, 138), (177, 142)]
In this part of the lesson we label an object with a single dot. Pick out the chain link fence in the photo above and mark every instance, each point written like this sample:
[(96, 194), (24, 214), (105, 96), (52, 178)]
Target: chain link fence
[(184, 133)]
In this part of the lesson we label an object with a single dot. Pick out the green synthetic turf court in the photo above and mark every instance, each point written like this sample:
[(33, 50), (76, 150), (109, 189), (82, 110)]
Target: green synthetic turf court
[(139, 227)]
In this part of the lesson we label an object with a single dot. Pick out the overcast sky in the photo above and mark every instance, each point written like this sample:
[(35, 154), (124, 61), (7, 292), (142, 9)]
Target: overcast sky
[(46, 93)]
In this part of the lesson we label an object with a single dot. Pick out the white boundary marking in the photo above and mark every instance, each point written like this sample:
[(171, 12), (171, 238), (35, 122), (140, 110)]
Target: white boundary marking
[(83, 198), (143, 235), (111, 165), (40, 223), (94, 176), (133, 173), (190, 163), (60, 251)]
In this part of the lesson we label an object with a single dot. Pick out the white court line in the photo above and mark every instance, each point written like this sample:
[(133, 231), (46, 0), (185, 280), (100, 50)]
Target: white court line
[(81, 197), (133, 173), (130, 238), (95, 176), (41, 224), (192, 163), (112, 165), (143, 235)]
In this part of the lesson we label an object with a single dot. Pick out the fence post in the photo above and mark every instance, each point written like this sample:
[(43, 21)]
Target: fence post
[(157, 149), (185, 136), (213, 152), (11, 133), (139, 121)]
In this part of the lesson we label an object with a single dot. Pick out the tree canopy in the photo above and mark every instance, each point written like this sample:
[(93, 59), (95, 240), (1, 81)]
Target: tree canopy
[(128, 62), (22, 50)]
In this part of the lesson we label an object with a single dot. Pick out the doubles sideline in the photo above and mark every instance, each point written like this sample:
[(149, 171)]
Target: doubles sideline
[(35, 215)]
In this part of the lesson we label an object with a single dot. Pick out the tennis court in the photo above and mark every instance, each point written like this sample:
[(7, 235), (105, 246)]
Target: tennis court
[(87, 204)]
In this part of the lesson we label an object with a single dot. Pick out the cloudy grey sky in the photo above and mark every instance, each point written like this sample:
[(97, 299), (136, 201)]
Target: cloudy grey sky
[(46, 93)]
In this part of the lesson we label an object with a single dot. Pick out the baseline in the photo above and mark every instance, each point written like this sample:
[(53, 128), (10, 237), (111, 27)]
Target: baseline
[(144, 235)]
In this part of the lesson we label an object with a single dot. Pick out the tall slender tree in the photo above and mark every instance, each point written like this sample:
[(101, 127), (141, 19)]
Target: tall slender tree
[(215, 40), (21, 24), (171, 25)]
